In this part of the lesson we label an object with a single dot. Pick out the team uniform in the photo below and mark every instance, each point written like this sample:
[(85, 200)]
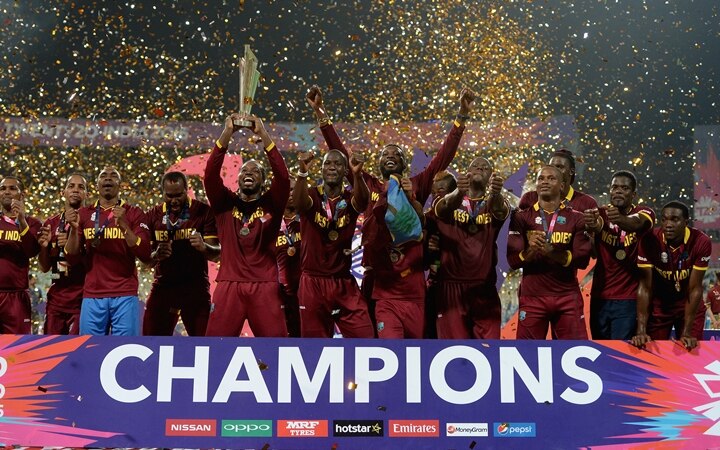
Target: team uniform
[(613, 306), (181, 287), (549, 292), (575, 199), (248, 285), (671, 267), (16, 248), (288, 261), (326, 283), (65, 295), (713, 300), (397, 272), (110, 294), (468, 305)]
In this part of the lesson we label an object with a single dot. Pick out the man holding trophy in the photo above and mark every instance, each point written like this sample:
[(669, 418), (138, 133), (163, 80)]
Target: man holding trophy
[(248, 224)]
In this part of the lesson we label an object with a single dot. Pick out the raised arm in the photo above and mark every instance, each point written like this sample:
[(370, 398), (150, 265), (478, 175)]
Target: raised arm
[(640, 221), (450, 202), (361, 193), (301, 195), (280, 184), (423, 181), (218, 194)]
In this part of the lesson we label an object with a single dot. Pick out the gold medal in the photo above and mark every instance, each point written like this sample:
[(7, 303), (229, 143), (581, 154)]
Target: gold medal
[(473, 228), (291, 251), (394, 257), (333, 235), (245, 231), (620, 254), (677, 285)]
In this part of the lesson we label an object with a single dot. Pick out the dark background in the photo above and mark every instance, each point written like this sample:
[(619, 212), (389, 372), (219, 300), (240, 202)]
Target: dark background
[(637, 83)]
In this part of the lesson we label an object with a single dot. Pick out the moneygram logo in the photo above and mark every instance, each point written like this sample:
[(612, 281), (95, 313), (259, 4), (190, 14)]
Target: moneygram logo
[(513, 429), (358, 428), (190, 427), (302, 428), (246, 428), (466, 429), (414, 428)]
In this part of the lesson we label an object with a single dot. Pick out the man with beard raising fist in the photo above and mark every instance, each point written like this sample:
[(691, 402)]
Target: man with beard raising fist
[(65, 295), (395, 272), (18, 243), (108, 236), (469, 220), (328, 214), (248, 224)]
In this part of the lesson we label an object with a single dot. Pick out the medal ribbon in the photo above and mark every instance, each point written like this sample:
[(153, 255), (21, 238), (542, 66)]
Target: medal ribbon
[(548, 229), (341, 205), (98, 229), (286, 230), (474, 212), (682, 257), (174, 226)]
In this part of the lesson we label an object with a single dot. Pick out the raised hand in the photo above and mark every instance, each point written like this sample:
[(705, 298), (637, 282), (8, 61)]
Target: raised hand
[(467, 97), (356, 162), (44, 236), (197, 241), (72, 217), (304, 160), (463, 183), (592, 219), (315, 99), (496, 184)]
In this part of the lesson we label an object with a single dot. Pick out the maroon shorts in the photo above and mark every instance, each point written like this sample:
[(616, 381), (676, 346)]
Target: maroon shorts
[(319, 297), (15, 312), (167, 303), (468, 311), (564, 313), (664, 316), (61, 322), (258, 302), (398, 319)]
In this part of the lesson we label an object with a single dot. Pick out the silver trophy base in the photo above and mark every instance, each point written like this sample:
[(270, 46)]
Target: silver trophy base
[(244, 123)]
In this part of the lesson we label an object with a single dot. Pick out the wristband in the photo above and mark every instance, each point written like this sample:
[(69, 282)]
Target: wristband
[(303, 174), (324, 121)]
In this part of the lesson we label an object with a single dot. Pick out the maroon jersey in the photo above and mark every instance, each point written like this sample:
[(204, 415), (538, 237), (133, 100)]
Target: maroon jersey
[(288, 260), (16, 248), (336, 217), (616, 273), (713, 299), (576, 199), (468, 242), (185, 264), (109, 261), (247, 255), (405, 277), (541, 275), (66, 291), (671, 264)]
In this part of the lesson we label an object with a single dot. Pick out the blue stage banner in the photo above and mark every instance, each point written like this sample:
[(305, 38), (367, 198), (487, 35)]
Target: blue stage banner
[(355, 394)]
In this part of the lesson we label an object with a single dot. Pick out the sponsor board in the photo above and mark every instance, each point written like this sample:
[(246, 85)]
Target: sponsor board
[(413, 428), (514, 429), (456, 429), (302, 428), (246, 428), (190, 427), (358, 428)]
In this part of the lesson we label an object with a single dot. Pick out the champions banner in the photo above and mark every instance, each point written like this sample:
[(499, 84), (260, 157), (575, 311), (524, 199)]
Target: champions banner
[(355, 394)]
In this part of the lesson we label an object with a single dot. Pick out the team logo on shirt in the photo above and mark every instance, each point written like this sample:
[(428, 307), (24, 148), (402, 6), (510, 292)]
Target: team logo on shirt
[(538, 220), (562, 220), (522, 315)]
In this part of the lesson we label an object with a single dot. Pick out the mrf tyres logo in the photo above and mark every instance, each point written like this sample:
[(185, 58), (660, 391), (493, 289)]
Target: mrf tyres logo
[(514, 429), (302, 428), (358, 428)]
